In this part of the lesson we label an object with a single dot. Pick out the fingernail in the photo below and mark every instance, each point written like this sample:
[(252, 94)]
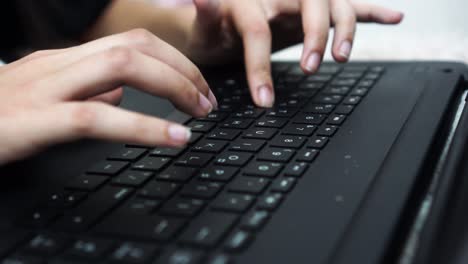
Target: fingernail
[(213, 100), (265, 96), (345, 49), (179, 133), (313, 62), (205, 103)]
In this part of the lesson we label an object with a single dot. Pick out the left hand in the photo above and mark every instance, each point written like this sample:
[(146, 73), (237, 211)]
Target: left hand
[(223, 28)]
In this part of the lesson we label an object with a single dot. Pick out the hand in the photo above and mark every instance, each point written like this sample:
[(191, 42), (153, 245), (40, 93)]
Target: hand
[(61, 95), (223, 28)]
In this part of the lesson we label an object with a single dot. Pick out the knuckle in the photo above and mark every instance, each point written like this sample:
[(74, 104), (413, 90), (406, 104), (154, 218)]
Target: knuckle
[(83, 117), (259, 29), (347, 20), (117, 59), (140, 36), (197, 78)]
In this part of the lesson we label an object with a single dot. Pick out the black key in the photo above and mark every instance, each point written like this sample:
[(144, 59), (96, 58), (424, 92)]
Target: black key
[(352, 100), (22, 260), (274, 122), (371, 76), (319, 108), (224, 107), (133, 253), (249, 145), (248, 113), (279, 68), (233, 158), (64, 199), (237, 123), (167, 152), (195, 137), (344, 82), (201, 189), (366, 83), (128, 154), (317, 142), (45, 245), (80, 218), (281, 112), (224, 134), (307, 155), (331, 69), (299, 130), (327, 131), (270, 202), (255, 220), (87, 182), (218, 173), (319, 78), (38, 218), (336, 119), (354, 75), (260, 133), (147, 227), (238, 240), (193, 159), (132, 178), (286, 141), (181, 256), (158, 189), (377, 69), (263, 169), (296, 169), (290, 102), (108, 167), (308, 119), (208, 229), (328, 99), (344, 109), (276, 154), (177, 174), (219, 259), (210, 146), (296, 71), (138, 206), (311, 85), (151, 163), (182, 207), (214, 117), (355, 68), (89, 249), (359, 91), (283, 185), (232, 202), (337, 90), (252, 185), (199, 126)]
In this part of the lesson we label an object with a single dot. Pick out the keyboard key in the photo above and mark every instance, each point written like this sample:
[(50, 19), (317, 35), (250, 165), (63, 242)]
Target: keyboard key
[(307, 155), (218, 173), (319, 108), (128, 154), (167, 152), (89, 249), (195, 137), (366, 83), (201, 189), (263, 169), (276, 154), (328, 99), (232, 202), (182, 207), (108, 167), (337, 90), (151, 163), (22, 260), (158, 189), (270, 202), (199, 126), (248, 113), (38, 218), (352, 100), (87, 182), (130, 252), (336, 119), (249, 145), (138, 206), (354, 75), (219, 259), (327, 131), (319, 77), (45, 245), (181, 256), (308, 119), (238, 240), (331, 69), (214, 117), (311, 86), (260, 133), (296, 169), (210, 146), (64, 199), (289, 102), (274, 122), (359, 91), (344, 82), (344, 109), (132, 178), (284, 141), (251, 185), (224, 134), (377, 69), (281, 112), (299, 130), (255, 220), (237, 123), (177, 174), (283, 185), (207, 230), (371, 76), (317, 142), (233, 158), (193, 159)]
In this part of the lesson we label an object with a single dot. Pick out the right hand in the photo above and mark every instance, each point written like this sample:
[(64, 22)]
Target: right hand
[(56, 96)]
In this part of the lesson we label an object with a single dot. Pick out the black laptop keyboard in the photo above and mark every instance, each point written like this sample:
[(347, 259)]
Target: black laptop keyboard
[(208, 201)]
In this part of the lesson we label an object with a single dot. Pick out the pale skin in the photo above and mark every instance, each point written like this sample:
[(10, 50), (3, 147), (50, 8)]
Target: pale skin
[(56, 96)]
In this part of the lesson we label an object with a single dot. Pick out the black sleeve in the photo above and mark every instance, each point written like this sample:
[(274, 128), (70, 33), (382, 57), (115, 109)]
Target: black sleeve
[(31, 24)]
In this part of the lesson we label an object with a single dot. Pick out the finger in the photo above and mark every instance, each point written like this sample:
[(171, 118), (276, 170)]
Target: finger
[(344, 18), (113, 97), (103, 72), (316, 24), (208, 15), (373, 13), (252, 24)]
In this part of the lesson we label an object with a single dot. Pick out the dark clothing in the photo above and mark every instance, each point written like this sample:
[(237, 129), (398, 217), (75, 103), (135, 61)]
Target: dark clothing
[(41, 24)]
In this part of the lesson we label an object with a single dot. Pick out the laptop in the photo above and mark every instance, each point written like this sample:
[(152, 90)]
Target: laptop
[(355, 164)]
